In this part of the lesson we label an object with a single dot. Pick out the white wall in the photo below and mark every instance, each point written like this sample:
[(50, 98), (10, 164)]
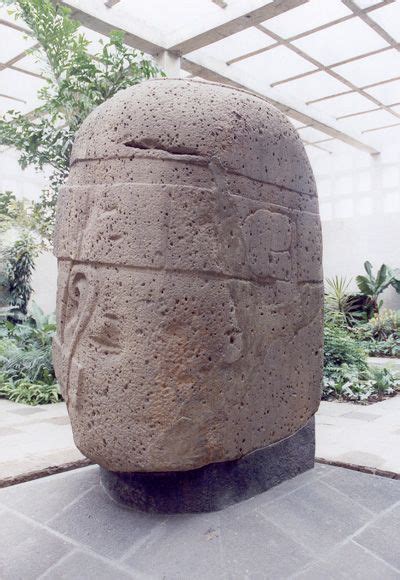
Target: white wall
[(28, 184), (360, 211)]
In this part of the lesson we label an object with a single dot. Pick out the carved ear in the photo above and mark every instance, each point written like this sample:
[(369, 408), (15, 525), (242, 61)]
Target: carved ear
[(80, 303), (76, 297)]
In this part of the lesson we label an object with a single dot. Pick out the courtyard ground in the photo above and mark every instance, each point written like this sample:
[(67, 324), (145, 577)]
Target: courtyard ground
[(328, 523)]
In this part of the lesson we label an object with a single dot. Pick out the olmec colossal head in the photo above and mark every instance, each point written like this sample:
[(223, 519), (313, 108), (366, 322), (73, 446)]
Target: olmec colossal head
[(189, 289)]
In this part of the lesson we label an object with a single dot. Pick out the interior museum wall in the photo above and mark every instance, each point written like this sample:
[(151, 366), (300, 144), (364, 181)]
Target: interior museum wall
[(28, 184), (359, 198), (359, 203)]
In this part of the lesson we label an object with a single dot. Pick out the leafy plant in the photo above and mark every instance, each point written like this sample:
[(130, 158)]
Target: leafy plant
[(381, 334), (26, 368), (372, 286), (396, 281), (383, 381), (382, 325), (76, 83), (19, 269), (387, 348), (346, 371), (341, 349), (23, 391), (338, 301)]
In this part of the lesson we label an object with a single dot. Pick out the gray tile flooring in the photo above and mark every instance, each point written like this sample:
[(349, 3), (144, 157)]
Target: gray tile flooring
[(330, 523)]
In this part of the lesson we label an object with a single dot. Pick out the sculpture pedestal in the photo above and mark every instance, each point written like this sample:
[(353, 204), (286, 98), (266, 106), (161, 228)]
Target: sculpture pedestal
[(217, 485)]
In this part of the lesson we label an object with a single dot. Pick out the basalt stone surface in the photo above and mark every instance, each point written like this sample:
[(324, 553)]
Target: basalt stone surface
[(217, 485), (190, 285)]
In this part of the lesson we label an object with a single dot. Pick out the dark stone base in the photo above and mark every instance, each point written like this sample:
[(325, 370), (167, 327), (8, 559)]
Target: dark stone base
[(218, 485)]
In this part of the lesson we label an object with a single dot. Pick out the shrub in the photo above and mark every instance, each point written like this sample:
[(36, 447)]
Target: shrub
[(381, 334), (19, 269), (388, 348), (346, 372), (23, 391), (26, 368)]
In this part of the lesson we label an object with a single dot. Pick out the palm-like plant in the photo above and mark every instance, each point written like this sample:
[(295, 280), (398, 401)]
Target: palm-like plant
[(372, 286), (338, 302)]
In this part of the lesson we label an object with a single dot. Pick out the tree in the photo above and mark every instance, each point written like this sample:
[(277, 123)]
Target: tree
[(76, 83)]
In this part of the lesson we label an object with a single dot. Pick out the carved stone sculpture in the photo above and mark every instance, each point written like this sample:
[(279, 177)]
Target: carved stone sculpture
[(189, 291)]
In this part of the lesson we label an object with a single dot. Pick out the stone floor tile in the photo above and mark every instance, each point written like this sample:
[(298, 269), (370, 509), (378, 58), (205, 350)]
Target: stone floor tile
[(372, 491), (361, 416), (352, 562), (334, 409), (83, 565), (273, 494), (45, 498), (99, 523), (382, 536), (57, 420), (255, 548), (317, 516), (8, 431), (27, 550), (26, 411), (183, 547)]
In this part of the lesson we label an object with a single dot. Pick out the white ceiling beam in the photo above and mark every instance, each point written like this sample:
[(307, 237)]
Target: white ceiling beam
[(169, 63), (212, 69), (98, 17), (215, 70), (111, 3), (235, 17)]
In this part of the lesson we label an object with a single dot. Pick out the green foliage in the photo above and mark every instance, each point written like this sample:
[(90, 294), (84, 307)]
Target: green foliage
[(77, 82), (26, 368), (388, 348), (372, 286), (19, 214), (338, 301), (29, 393), (346, 372), (381, 334), (396, 280), (381, 326), (19, 269), (341, 349)]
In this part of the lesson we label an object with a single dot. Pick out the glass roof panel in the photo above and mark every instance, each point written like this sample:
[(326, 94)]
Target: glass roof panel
[(371, 69), (33, 63), (13, 42), (5, 15), (389, 18), (366, 3), (387, 93), (236, 44), (314, 86), (368, 121), (306, 17), (10, 104), (95, 39), (21, 86), (344, 105), (276, 64), (336, 43), (167, 17)]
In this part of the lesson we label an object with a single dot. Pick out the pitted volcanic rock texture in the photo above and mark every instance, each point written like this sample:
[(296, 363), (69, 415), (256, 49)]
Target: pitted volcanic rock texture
[(190, 284)]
